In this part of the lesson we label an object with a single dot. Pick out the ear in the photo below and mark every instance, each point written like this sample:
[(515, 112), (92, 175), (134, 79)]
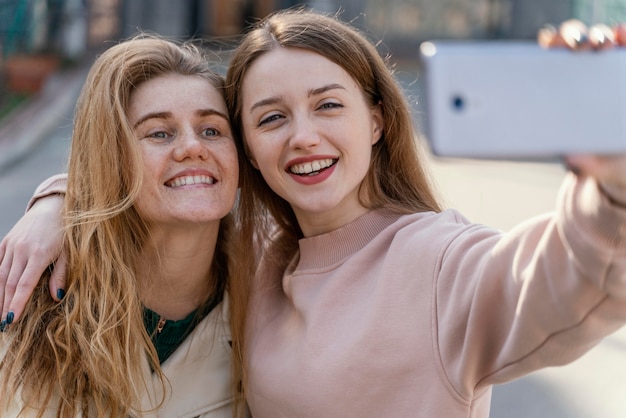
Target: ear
[(378, 123), (253, 162)]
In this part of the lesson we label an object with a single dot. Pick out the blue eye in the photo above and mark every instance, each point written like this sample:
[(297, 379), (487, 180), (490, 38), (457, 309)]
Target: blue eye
[(158, 135), (211, 132)]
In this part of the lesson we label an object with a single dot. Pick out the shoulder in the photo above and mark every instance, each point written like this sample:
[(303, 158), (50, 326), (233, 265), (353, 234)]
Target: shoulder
[(433, 235), (434, 227)]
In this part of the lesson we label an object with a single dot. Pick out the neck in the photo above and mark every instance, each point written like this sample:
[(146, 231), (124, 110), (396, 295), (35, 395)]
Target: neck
[(318, 223), (176, 275)]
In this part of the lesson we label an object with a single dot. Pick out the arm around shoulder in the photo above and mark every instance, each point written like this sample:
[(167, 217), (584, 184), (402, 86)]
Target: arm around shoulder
[(55, 185), (33, 245)]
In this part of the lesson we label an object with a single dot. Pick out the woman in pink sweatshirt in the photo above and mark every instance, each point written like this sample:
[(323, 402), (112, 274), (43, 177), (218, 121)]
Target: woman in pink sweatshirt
[(367, 299), (370, 301)]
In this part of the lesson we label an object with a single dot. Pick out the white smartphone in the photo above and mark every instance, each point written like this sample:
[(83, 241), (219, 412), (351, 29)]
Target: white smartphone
[(516, 100)]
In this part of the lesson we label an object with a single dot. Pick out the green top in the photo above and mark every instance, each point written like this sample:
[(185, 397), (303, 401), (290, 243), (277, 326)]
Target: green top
[(173, 333)]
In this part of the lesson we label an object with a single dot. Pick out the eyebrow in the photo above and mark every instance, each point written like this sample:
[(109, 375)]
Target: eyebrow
[(312, 92), (324, 89), (168, 115), (265, 102)]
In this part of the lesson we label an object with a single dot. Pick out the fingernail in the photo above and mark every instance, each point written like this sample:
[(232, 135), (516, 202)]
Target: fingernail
[(60, 294), (546, 36), (601, 36), (3, 325), (575, 34), (10, 317), (581, 39)]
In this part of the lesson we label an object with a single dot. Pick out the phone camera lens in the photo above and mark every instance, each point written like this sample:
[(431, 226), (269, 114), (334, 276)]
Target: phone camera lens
[(458, 103)]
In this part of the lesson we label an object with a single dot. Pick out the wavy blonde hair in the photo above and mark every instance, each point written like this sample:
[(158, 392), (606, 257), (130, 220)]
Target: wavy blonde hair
[(88, 351)]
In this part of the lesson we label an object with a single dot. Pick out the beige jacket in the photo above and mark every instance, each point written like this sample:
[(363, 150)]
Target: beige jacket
[(198, 376)]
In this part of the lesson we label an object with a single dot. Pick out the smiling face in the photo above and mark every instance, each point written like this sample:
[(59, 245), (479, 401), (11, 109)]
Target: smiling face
[(309, 131), (188, 153)]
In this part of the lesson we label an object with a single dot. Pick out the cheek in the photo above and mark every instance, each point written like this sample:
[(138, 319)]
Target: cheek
[(367, 154), (253, 150), (151, 166), (262, 159), (226, 154), (264, 148), (232, 150), (145, 201)]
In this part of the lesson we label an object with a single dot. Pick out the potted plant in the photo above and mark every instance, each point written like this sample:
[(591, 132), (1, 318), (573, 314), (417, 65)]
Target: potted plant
[(27, 73)]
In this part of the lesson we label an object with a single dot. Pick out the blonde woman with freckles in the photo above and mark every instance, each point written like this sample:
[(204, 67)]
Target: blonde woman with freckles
[(142, 327)]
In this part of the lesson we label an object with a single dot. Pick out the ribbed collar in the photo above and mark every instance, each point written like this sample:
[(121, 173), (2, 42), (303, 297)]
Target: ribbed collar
[(330, 248)]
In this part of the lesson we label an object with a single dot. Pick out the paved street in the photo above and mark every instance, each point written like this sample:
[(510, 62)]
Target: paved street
[(497, 193), (18, 182)]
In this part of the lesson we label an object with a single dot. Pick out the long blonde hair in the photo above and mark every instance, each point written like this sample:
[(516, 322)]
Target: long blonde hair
[(88, 351)]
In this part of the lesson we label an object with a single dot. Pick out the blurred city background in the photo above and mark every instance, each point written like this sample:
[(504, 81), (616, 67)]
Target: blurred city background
[(46, 47), (41, 35)]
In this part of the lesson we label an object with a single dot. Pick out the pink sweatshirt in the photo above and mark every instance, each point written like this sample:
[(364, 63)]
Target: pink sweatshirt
[(419, 315)]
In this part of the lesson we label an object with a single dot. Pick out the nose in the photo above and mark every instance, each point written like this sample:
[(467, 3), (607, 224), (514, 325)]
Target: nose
[(189, 145), (305, 133)]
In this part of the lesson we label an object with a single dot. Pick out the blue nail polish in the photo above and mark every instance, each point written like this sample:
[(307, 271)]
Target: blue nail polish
[(60, 294), (10, 317), (3, 325)]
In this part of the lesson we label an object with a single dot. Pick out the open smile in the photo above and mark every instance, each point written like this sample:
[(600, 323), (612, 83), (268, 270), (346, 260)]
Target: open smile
[(312, 168), (190, 180)]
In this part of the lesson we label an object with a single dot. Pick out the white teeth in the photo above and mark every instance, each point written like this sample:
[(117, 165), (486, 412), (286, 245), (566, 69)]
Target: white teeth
[(311, 167), (189, 180)]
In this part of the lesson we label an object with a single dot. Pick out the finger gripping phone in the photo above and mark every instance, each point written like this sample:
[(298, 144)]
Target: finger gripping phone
[(516, 100)]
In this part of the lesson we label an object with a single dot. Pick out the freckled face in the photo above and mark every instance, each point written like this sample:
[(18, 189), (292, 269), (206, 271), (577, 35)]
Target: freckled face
[(310, 132), (188, 153)]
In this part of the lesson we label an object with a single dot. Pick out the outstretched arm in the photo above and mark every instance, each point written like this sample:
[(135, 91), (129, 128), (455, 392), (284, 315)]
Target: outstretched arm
[(33, 245)]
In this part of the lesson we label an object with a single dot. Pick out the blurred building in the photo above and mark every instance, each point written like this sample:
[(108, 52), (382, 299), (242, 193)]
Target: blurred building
[(403, 24), (400, 24), (39, 36), (188, 18), (68, 28)]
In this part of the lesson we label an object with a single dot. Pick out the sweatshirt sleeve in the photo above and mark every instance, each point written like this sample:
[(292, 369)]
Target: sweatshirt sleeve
[(543, 294), (56, 184), (594, 230)]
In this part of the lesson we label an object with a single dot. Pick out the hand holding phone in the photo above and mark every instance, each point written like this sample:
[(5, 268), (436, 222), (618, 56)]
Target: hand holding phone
[(516, 100)]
